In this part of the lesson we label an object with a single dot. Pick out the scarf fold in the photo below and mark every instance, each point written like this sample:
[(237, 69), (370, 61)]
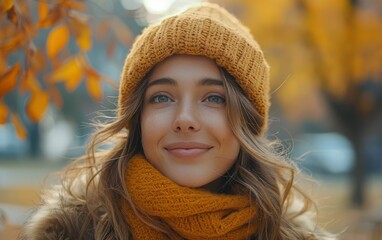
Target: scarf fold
[(192, 213)]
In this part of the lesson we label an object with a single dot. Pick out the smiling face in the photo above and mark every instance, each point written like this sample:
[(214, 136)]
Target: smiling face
[(185, 130)]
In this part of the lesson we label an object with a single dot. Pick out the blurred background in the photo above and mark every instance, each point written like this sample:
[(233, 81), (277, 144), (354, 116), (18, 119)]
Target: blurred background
[(60, 63)]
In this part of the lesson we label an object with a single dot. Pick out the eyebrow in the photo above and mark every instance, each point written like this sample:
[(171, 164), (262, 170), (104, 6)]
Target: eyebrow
[(170, 81), (162, 81), (210, 82)]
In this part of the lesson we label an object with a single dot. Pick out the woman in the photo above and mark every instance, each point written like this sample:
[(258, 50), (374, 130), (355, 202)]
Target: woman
[(187, 157)]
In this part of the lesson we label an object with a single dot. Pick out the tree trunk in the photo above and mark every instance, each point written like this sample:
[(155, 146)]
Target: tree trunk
[(352, 123), (359, 170)]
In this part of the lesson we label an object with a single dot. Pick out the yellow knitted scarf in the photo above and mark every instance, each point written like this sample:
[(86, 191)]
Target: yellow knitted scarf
[(191, 213)]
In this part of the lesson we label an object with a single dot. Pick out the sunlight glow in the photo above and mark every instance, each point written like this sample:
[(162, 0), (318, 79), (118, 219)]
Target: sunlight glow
[(131, 4), (158, 7)]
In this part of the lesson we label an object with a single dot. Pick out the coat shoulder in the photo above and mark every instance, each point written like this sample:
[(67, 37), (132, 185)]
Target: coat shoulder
[(60, 216)]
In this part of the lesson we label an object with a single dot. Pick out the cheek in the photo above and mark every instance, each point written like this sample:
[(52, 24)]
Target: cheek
[(153, 125), (219, 125), (230, 146)]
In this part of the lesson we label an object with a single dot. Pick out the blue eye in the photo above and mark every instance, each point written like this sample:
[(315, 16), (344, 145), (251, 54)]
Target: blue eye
[(160, 99), (215, 99)]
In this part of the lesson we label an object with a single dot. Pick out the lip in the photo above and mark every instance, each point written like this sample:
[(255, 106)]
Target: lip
[(187, 149)]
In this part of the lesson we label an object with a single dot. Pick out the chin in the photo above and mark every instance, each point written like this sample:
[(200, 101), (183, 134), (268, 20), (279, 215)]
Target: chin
[(188, 182), (193, 182)]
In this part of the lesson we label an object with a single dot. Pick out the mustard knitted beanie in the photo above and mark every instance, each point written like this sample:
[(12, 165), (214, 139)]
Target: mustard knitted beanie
[(207, 30)]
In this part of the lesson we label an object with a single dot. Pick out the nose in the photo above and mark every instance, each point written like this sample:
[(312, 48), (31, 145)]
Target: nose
[(186, 119)]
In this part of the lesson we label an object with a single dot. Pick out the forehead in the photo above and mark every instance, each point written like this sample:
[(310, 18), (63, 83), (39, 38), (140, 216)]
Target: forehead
[(186, 66)]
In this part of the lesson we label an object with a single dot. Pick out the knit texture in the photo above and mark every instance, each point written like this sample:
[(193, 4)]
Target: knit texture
[(207, 30), (192, 213)]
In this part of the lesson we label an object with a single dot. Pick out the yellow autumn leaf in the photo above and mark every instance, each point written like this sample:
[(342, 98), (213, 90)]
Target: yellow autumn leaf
[(43, 9), (13, 42), (74, 5), (20, 129), (93, 85), (57, 40), (84, 40), (70, 72), (82, 34), (6, 5), (9, 79), (37, 106), (4, 111), (54, 15), (29, 82), (3, 64), (72, 84)]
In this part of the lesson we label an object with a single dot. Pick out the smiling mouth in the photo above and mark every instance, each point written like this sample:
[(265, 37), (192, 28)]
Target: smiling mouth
[(187, 150)]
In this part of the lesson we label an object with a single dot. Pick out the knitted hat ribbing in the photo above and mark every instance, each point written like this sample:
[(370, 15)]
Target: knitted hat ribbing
[(207, 30)]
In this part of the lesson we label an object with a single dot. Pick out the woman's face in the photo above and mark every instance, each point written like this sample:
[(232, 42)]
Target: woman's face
[(185, 130)]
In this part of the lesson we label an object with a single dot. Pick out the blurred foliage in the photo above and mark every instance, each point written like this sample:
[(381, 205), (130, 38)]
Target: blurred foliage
[(317, 49), (37, 70), (326, 50), (333, 45)]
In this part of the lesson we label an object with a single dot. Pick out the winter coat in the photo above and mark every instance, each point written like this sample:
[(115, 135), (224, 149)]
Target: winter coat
[(59, 217)]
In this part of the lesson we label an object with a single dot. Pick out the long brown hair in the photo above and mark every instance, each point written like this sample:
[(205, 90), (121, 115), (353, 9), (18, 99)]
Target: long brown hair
[(262, 171), (265, 172)]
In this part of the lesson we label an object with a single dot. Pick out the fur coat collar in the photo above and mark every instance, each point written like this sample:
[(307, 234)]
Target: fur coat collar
[(59, 217)]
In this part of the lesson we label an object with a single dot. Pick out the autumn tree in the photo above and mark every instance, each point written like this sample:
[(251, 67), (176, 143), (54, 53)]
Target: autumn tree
[(331, 46), (351, 71), (34, 70)]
